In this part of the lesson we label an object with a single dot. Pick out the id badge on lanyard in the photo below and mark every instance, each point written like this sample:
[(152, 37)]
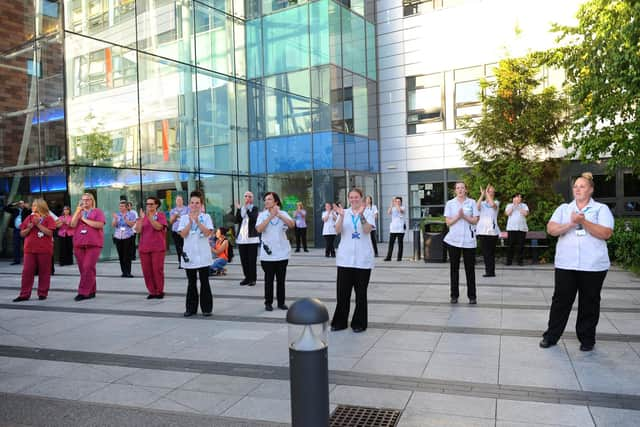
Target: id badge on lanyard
[(354, 221)]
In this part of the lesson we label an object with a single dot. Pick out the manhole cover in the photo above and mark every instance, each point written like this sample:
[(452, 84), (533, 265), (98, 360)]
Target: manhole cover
[(360, 416)]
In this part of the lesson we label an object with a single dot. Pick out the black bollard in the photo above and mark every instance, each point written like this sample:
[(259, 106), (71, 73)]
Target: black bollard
[(308, 363)]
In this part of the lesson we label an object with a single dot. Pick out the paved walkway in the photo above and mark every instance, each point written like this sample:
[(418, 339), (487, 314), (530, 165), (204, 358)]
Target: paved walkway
[(123, 360)]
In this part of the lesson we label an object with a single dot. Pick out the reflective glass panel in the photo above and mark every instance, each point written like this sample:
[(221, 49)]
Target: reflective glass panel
[(214, 40), (290, 153), (112, 21), (319, 32), (286, 41), (371, 51), (254, 48), (353, 43), (167, 114)]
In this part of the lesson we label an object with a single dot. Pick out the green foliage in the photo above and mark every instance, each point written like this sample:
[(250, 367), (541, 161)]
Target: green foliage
[(624, 245), (602, 64), (520, 125)]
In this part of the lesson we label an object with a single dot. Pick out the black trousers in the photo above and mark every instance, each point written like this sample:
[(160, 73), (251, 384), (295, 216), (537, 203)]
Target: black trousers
[(66, 250), (392, 239), (469, 256), (516, 246), (277, 269), (248, 257), (178, 241), (17, 245), (358, 280), (126, 248), (374, 242), (301, 234), (206, 298), (488, 248), (587, 284), (329, 242)]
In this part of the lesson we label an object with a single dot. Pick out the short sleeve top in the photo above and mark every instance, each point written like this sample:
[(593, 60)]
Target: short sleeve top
[(462, 233), (397, 221), (196, 244), (274, 237), (580, 250), (152, 240), (329, 226), (517, 221), (36, 242), (85, 235), (488, 222), (355, 249)]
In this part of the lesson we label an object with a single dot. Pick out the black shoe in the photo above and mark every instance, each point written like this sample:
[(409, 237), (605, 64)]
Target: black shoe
[(488, 275), (129, 276), (520, 263), (586, 347), (473, 301), (188, 313), (268, 307), (327, 256), (297, 250), (453, 300), (545, 343), (19, 299), (283, 306), (92, 295), (387, 259), (207, 314), (358, 329), (335, 328), (507, 263), (42, 297), (151, 296), (306, 250), (15, 263), (80, 297), (251, 284), (244, 282), (160, 296)]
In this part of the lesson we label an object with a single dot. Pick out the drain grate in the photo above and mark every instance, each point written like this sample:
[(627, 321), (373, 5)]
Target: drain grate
[(360, 416)]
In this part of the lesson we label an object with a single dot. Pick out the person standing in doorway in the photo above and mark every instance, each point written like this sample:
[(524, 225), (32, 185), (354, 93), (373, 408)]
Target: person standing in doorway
[(18, 214), (195, 228), (65, 235), (329, 218), (248, 239), (37, 230), (374, 209), (397, 227), (517, 212), (461, 214), (174, 221), (273, 223), (124, 237), (487, 228), (300, 216), (152, 228), (88, 240)]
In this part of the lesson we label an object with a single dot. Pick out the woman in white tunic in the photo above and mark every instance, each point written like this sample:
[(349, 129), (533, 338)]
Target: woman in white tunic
[(517, 228), (461, 214), (581, 263), (396, 228), (195, 228), (355, 261), (487, 228), (329, 218), (273, 223)]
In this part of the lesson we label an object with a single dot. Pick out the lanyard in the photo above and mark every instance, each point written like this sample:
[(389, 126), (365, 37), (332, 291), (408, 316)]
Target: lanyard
[(354, 221), (194, 226)]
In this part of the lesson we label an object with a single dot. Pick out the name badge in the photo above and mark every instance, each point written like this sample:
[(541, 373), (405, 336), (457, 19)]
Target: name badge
[(40, 234), (84, 231), (581, 232), (355, 235)]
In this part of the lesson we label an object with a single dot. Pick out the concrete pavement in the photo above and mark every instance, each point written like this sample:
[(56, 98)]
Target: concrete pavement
[(120, 359)]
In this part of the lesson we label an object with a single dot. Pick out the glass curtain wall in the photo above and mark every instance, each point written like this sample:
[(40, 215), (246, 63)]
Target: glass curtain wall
[(32, 131)]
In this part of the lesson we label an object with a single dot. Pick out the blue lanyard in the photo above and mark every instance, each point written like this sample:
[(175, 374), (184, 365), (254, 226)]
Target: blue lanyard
[(354, 221), (194, 226)]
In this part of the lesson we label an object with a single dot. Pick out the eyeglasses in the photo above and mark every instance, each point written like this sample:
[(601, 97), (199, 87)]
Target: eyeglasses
[(150, 204)]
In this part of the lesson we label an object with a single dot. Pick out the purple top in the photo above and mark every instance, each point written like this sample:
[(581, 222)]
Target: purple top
[(184, 210), (122, 229), (300, 217)]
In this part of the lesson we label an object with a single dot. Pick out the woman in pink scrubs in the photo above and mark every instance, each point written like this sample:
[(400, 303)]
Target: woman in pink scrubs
[(88, 238), (152, 228)]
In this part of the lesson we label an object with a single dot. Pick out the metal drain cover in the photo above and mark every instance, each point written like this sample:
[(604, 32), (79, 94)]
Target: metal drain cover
[(360, 416)]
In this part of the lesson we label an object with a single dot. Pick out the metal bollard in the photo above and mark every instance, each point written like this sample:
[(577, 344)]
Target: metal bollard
[(308, 363), (416, 244)]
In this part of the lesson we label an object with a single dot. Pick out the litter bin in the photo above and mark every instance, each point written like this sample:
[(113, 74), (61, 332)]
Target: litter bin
[(434, 250)]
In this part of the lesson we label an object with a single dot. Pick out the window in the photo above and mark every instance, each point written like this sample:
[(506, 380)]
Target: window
[(468, 98), (425, 103), (417, 7)]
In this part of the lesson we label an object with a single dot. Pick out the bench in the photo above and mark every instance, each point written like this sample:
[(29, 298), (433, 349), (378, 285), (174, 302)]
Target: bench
[(535, 241)]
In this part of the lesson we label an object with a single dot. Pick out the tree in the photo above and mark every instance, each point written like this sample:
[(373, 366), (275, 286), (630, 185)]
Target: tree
[(602, 62), (510, 145)]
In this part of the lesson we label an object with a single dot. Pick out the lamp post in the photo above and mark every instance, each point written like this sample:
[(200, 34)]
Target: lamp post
[(308, 363)]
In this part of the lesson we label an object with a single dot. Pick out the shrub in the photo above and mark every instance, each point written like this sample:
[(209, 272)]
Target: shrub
[(624, 245)]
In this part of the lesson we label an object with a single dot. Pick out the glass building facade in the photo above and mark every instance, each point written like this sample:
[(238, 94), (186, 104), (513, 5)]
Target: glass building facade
[(133, 98)]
